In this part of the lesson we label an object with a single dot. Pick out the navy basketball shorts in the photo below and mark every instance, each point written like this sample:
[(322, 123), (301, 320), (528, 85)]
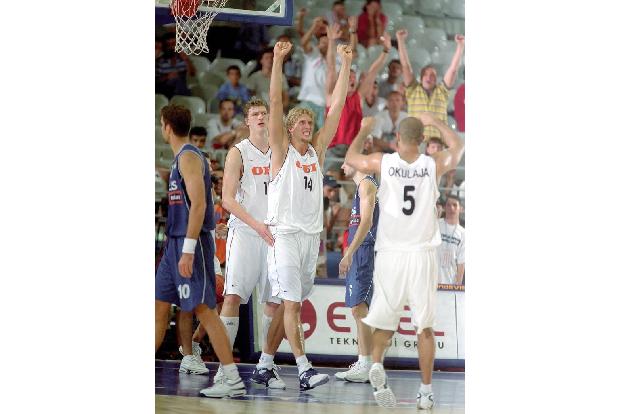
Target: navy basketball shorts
[(187, 293), (359, 279)]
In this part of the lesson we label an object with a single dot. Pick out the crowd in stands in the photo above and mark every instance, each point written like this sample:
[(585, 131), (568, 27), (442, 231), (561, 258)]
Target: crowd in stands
[(387, 82)]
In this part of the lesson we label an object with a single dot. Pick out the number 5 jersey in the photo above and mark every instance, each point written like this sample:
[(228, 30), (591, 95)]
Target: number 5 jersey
[(407, 199)]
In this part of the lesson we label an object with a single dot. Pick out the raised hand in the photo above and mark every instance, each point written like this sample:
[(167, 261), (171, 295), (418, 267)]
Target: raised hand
[(345, 53), (386, 40), (460, 39), (281, 49), (426, 118), (368, 122), (402, 34), (352, 21), (334, 31)]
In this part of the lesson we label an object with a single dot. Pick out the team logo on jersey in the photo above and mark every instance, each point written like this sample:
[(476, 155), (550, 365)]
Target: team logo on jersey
[(306, 167), (173, 185), (260, 170)]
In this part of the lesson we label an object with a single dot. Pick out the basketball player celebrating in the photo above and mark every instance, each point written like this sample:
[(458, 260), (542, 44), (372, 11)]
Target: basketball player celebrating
[(295, 202), (357, 264), (244, 195), (186, 275), (406, 269)]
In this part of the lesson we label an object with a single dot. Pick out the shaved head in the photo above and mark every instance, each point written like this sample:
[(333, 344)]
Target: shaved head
[(411, 131)]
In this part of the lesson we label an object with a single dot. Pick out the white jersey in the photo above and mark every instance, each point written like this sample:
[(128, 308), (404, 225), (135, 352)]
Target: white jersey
[(451, 252), (295, 195), (407, 199), (252, 191)]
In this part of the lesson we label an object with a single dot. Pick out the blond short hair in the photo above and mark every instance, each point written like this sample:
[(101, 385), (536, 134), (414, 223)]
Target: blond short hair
[(254, 102), (294, 116), (411, 130)]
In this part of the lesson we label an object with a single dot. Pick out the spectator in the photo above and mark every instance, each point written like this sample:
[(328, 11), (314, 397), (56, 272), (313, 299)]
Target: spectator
[(318, 29), (339, 15), (351, 117), (371, 24), (259, 82), (434, 145), (427, 95), (451, 253), (394, 81), (293, 68), (459, 103), (233, 90), (372, 104), (224, 129), (198, 137), (171, 69), (312, 87), (387, 122)]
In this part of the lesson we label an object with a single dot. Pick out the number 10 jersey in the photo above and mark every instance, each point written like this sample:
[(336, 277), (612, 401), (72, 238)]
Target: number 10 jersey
[(407, 199), (295, 195)]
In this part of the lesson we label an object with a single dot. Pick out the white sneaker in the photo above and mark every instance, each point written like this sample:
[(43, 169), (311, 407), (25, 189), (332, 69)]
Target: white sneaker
[(225, 388), (424, 401), (191, 364), (383, 394), (358, 373), (196, 349), (341, 375), (268, 377), (219, 377)]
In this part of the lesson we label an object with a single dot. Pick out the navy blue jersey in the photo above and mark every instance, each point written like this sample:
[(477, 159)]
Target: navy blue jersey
[(179, 202), (354, 219)]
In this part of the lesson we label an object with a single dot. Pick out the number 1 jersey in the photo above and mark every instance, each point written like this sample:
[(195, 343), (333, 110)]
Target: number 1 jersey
[(252, 191), (295, 195), (407, 199)]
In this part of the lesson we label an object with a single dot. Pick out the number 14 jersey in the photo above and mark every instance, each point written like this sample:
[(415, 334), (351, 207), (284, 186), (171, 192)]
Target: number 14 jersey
[(407, 199), (295, 195)]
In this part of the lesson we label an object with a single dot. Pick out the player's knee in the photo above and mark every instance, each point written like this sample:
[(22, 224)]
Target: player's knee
[(232, 300), (359, 311), (292, 306), (270, 309)]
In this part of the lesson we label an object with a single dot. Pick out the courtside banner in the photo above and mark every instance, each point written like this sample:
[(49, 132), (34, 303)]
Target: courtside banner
[(329, 327)]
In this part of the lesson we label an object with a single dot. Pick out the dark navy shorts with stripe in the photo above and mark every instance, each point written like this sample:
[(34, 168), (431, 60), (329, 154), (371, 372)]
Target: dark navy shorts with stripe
[(359, 280), (186, 293)]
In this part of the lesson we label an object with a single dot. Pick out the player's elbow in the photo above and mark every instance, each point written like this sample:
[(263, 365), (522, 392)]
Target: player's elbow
[(227, 202)]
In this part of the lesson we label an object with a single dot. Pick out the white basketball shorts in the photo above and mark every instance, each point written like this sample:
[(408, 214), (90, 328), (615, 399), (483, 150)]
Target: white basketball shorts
[(399, 279), (292, 264), (246, 266)]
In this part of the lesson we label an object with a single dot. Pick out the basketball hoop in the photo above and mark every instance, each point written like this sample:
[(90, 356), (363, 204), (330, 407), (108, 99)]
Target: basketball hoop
[(193, 24)]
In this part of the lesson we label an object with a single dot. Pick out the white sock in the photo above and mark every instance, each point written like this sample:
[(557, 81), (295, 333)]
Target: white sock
[(267, 321), (231, 324), (364, 359), (303, 364), (266, 361), (230, 372), (425, 388), (377, 364)]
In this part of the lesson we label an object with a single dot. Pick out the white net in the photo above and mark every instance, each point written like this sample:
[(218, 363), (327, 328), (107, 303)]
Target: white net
[(193, 24)]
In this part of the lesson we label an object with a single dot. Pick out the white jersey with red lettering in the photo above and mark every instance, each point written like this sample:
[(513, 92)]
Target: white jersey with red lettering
[(295, 195), (252, 191), (407, 198)]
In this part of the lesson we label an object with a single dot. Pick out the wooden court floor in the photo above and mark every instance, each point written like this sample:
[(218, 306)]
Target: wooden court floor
[(179, 393)]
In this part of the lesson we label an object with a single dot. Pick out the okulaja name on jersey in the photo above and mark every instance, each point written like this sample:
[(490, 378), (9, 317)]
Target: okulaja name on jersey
[(408, 173)]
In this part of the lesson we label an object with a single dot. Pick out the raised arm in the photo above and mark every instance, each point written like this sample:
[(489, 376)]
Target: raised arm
[(352, 21), (337, 101), (367, 192), (277, 138), (451, 72), (368, 164), (367, 83), (408, 74), (299, 26), (447, 159), (334, 33), (191, 167), (230, 184), (306, 46)]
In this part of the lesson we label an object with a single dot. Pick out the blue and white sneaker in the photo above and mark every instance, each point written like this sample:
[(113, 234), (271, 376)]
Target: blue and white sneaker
[(268, 377), (310, 379)]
